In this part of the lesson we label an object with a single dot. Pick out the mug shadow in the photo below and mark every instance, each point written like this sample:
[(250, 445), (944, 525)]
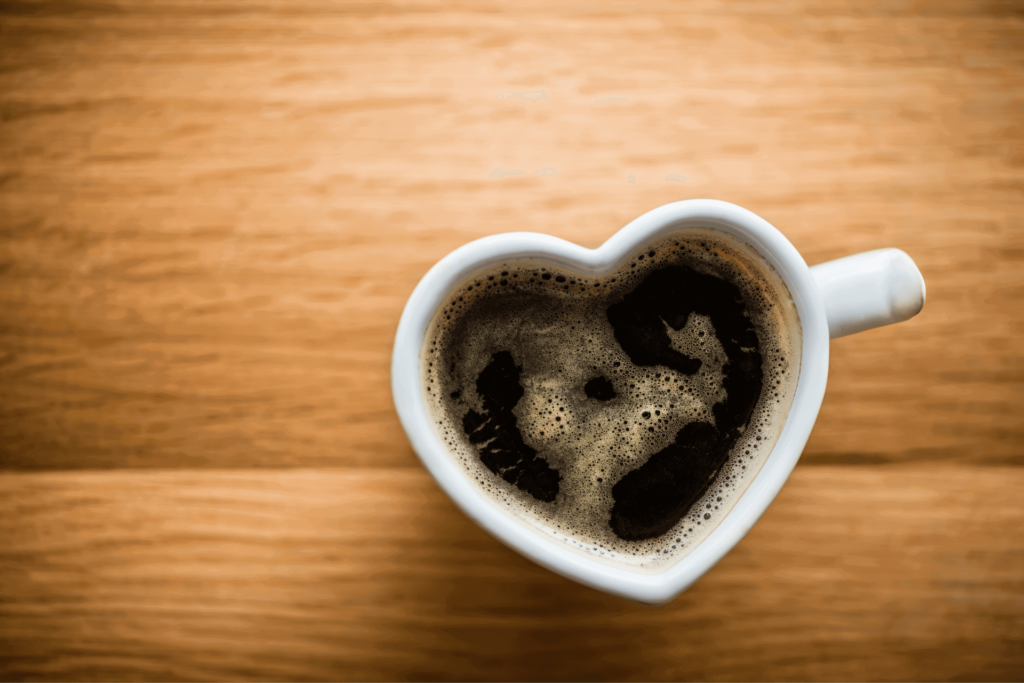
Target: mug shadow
[(499, 616)]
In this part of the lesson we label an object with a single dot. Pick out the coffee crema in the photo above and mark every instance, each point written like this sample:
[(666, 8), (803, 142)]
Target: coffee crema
[(625, 414)]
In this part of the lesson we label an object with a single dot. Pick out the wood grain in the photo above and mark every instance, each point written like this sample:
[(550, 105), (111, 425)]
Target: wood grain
[(211, 215)]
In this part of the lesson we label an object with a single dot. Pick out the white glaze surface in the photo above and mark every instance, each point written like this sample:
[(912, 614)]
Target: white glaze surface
[(454, 268), (868, 290)]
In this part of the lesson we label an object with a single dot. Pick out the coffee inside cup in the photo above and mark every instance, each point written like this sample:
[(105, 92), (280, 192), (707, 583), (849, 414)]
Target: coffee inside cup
[(625, 414)]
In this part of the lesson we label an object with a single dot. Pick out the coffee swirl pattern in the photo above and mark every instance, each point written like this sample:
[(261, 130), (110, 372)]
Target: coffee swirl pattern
[(651, 499), (624, 415)]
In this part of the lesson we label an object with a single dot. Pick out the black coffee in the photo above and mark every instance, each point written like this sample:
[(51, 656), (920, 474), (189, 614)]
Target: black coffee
[(623, 414)]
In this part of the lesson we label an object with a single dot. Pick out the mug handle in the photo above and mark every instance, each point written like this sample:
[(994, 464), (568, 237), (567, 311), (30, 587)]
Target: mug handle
[(868, 290)]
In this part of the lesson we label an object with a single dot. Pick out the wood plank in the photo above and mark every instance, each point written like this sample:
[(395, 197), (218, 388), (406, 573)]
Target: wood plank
[(864, 573), (211, 217)]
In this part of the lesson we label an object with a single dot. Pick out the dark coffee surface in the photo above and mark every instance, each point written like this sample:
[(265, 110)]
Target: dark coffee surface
[(608, 409), (495, 432), (651, 499)]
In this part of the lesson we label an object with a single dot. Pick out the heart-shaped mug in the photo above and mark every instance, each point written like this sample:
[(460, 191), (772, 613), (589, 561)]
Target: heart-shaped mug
[(832, 299)]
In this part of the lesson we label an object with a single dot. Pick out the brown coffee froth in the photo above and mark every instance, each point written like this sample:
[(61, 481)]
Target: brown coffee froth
[(623, 415)]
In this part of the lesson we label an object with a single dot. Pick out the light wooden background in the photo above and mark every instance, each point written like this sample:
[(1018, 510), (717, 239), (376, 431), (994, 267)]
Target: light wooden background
[(212, 213)]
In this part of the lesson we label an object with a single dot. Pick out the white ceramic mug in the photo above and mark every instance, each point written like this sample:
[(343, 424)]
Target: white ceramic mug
[(833, 299)]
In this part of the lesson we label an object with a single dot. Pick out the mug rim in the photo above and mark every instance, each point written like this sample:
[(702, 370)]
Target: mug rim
[(435, 287)]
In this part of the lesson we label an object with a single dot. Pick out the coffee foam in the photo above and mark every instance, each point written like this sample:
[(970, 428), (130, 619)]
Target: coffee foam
[(555, 326)]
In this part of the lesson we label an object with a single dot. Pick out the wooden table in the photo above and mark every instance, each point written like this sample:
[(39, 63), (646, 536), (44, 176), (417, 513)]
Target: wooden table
[(211, 215)]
